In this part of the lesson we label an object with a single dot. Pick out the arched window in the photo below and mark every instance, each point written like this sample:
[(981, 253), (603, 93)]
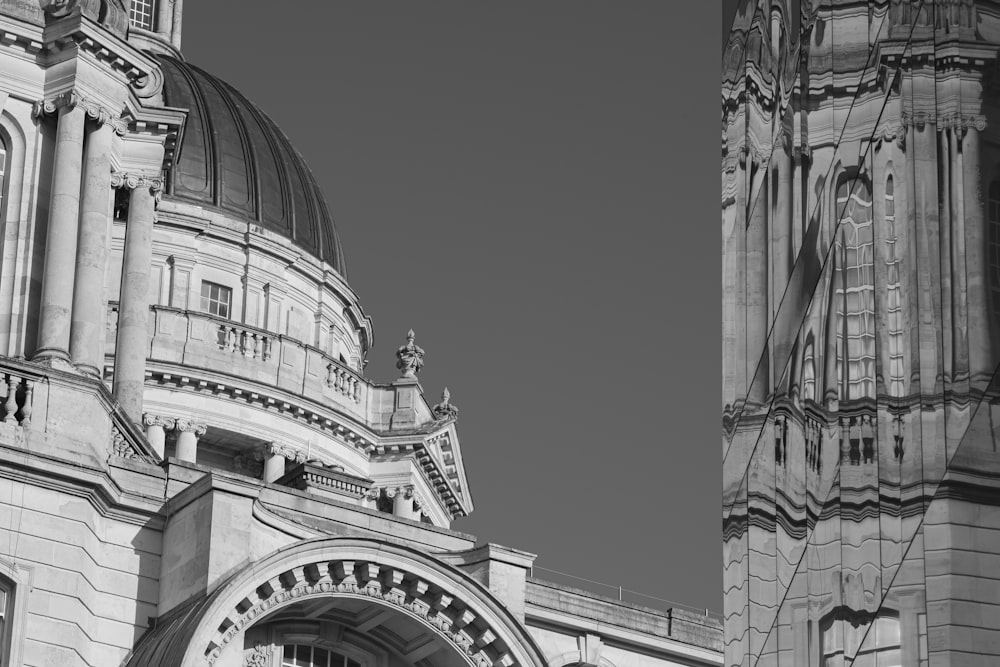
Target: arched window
[(302, 655), (993, 213), (855, 291), (894, 305), (141, 14), (4, 160), (809, 371)]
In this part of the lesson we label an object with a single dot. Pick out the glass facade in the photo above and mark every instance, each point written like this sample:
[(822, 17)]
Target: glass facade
[(861, 333)]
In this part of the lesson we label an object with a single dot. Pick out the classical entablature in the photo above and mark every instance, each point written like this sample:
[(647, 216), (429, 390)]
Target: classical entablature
[(455, 611)]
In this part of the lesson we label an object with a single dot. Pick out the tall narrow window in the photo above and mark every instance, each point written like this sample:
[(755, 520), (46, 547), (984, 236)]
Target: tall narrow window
[(993, 213), (6, 625), (894, 306), (3, 176), (141, 14), (216, 299), (809, 372), (855, 291)]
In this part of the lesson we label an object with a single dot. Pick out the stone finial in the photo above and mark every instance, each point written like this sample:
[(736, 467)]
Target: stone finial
[(410, 357), (445, 411)]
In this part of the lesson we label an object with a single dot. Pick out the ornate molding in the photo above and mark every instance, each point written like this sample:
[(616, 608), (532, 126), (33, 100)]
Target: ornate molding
[(94, 110), (410, 357), (472, 636), (187, 426), (258, 656), (445, 411), (156, 420), (943, 121), (119, 446), (130, 181)]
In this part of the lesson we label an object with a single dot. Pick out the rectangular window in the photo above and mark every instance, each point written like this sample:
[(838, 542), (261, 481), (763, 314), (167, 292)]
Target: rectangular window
[(141, 14), (216, 299)]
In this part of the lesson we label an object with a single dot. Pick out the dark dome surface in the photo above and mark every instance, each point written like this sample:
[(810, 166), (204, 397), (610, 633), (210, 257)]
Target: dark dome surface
[(234, 158)]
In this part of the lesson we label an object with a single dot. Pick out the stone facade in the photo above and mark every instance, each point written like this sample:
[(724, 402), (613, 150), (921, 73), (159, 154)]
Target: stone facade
[(194, 467), (861, 327)]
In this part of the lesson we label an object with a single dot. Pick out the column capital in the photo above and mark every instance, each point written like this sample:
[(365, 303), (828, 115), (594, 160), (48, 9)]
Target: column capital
[(94, 109), (278, 449), (404, 491), (187, 426), (156, 420), (132, 181)]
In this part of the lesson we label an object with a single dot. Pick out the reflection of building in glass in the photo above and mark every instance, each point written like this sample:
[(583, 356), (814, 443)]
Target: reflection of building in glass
[(861, 326), (195, 469)]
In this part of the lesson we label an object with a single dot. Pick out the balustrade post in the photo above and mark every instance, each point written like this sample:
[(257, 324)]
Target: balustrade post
[(10, 407)]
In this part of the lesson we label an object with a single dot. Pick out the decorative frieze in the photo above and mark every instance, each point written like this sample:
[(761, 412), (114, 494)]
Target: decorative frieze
[(943, 121), (360, 580)]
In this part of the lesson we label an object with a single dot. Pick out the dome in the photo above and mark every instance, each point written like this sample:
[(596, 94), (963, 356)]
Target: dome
[(233, 158)]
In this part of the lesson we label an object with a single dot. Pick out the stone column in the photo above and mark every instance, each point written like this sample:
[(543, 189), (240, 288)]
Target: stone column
[(945, 240), (175, 28), (60, 243), (274, 463), (981, 362), (758, 321), (402, 501), (960, 335), (781, 247), (91, 254), (133, 308), (188, 433), (156, 431), (164, 23)]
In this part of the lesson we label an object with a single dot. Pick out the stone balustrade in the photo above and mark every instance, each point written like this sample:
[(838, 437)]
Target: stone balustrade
[(248, 342), (16, 398), (198, 340), (344, 381)]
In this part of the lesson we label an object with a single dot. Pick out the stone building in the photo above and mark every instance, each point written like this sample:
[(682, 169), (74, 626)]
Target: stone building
[(861, 315), (194, 468)]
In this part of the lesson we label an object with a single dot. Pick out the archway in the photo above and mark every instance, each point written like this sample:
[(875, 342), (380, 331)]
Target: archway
[(365, 596)]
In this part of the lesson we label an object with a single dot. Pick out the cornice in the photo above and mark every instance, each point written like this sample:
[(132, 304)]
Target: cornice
[(107, 48), (331, 423)]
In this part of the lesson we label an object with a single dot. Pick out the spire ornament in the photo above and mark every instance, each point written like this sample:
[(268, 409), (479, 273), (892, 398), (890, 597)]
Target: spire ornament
[(445, 411), (410, 357)]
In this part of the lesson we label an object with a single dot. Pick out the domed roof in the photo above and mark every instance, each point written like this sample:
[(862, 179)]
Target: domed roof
[(232, 157)]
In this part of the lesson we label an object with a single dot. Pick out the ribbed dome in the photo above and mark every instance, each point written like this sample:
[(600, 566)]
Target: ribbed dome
[(234, 158)]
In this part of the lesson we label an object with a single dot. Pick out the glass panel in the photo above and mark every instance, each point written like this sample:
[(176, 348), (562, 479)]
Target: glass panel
[(141, 14)]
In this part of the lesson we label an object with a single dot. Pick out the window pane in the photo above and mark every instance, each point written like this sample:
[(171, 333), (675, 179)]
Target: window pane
[(216, 299), (141, 14)]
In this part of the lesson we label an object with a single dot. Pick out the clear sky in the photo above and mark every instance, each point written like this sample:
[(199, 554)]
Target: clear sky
[(533, 187)]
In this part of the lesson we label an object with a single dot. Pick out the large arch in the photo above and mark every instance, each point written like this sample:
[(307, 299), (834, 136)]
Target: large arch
[(445, 600)]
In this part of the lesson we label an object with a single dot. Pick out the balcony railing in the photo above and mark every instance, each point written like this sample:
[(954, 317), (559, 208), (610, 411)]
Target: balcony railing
[(200, 340)]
